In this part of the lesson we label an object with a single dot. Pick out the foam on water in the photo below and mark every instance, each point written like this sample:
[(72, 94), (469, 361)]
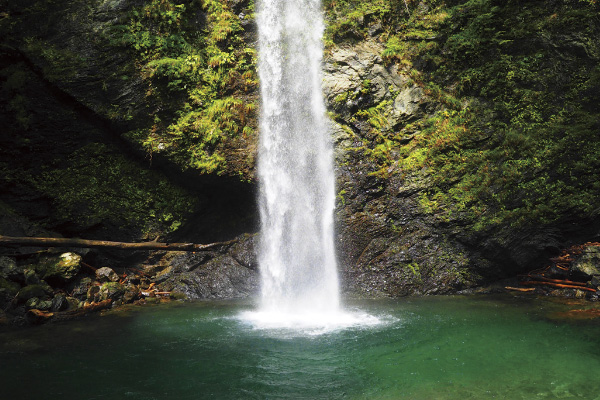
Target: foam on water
[(311, 323)]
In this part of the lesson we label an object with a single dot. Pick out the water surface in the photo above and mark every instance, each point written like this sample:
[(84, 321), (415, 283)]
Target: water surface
[(424, 348)]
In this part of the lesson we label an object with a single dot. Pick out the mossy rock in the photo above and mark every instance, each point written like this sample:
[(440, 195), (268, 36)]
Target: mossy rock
[(93, 293), (63, 269), (9, 268), (31, 291), (73, 303), (12, 288), (111, 290), (31, 278), (38, 304)]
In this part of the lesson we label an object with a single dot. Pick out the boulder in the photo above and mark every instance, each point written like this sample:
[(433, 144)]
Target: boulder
[(73, 303), (28, 292), (59, 303), (79, 288), (93, 294), (106, 274), (31, 278), (587, 264), (132, 293), (9, 269), (111, 290), (63, 269)]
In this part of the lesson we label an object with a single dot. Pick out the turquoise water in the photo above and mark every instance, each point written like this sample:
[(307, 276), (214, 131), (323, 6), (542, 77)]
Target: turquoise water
[(425, 348)]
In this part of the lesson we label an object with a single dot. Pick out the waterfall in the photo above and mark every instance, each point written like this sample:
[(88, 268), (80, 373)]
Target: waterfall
[(299, 281), (295, 165)]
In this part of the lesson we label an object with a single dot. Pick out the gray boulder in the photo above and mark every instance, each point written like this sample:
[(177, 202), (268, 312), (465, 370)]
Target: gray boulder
[(106, 274), (587, 263)]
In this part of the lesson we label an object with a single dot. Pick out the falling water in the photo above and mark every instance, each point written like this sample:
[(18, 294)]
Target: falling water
[(297, 197), (295, 162), (297, 257)]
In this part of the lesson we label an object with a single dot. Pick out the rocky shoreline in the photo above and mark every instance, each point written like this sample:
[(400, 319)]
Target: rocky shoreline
[(53, 286)]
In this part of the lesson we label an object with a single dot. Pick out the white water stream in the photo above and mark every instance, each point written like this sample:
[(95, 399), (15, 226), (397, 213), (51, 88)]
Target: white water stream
[(300, 288), (297, 256)]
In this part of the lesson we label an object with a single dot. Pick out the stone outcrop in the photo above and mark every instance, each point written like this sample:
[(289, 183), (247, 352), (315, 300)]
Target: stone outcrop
[(230, 273)]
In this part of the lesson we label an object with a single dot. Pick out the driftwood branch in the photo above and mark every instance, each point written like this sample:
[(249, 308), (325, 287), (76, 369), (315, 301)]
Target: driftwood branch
[(37, 317), (558, 285), (519, 289), (84, 243)]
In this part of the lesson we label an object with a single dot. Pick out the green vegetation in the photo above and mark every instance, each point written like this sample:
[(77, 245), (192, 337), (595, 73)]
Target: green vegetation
[(517, 140), (202, 73), (98, 185), (95, 184)]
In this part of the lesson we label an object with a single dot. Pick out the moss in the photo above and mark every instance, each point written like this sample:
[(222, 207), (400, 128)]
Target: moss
[(415, 270), (63, 269), (12, 288), (516, 140), (96, 185), (111, 290), (31, 291), (205, 78)]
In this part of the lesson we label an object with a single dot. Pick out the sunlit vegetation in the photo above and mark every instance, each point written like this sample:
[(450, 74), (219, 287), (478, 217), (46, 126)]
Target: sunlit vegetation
[(198, 65), (516, 141)]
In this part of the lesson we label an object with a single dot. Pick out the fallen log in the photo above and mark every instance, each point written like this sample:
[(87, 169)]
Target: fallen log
[(558, 285), (561, 281), (37, 317), (519, 289), (86, 309), (85, 243)]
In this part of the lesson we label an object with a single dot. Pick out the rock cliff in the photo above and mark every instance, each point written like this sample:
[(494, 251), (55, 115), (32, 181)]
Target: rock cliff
[(466, 135)]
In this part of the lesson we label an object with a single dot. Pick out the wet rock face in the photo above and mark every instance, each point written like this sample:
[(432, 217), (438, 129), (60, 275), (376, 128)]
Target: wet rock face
[(387, 245), (231, 273), (356, 77)]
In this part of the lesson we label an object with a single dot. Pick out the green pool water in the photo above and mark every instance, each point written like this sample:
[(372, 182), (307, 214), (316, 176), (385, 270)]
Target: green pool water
[(424, 348)]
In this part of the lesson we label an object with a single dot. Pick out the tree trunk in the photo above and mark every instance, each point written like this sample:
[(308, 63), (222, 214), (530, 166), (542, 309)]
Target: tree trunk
[(84, 243)]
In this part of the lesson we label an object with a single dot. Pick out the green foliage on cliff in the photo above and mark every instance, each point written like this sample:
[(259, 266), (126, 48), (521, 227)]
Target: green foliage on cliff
[(517, 140), (97, 185), (199, 69), (528, 150)]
